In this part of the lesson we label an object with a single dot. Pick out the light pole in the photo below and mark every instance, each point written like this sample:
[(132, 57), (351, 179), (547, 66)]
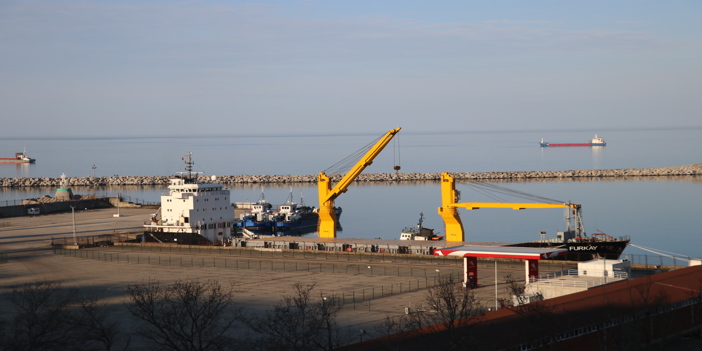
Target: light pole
[(94, 185), (495, 284), (75, 239)]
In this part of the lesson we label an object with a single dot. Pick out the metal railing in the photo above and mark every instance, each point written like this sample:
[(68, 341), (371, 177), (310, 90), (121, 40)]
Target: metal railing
[(658, 261)]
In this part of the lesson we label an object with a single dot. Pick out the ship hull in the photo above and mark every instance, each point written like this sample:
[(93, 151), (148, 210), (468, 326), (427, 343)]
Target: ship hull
[(571, 144), (12, 160), (584, 251)]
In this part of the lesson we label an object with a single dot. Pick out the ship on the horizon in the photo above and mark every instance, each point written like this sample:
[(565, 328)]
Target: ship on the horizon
[(20, 157), (596, 141)]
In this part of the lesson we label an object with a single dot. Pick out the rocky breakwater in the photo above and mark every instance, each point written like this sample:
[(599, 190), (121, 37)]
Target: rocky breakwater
[(690, 170)]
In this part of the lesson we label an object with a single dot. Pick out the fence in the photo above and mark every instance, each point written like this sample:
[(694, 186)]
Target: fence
[(651, 261), (8, 203), (250, 259)]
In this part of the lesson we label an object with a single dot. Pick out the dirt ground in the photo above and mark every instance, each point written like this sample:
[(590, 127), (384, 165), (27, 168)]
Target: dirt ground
[(25, 242)]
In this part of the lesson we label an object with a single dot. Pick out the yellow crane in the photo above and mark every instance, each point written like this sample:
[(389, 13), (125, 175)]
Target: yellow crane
[(454, 227), (326, 226)]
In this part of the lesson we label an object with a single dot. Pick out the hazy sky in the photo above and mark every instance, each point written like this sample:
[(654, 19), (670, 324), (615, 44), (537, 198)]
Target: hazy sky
[(133, 68)]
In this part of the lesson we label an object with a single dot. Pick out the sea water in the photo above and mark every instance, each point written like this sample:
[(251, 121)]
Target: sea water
[(658, 213)]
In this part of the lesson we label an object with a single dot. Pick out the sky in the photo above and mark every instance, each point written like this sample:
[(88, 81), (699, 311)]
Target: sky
[(177, 68)]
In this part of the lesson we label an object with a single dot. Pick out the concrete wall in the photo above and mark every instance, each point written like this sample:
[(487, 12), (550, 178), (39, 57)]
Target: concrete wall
[(54, 207)]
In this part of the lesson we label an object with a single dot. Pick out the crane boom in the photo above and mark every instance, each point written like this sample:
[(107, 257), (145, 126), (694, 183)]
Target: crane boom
[(326, 226), (452, 220)]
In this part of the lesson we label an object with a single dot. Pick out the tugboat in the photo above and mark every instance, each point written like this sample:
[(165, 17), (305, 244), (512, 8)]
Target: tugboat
[(292, 215), (193, 212), (259, 217), (596, 141), (418, 232), (289, 218)]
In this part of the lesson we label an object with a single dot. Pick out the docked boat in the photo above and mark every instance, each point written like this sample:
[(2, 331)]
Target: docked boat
[(193, 212), (596, 141), (580, 246), (292, 215), (260, 216), (290, 218), (418, 232), (20, 157)]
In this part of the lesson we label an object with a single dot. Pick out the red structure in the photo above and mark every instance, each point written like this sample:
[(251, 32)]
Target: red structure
[(470, 255)]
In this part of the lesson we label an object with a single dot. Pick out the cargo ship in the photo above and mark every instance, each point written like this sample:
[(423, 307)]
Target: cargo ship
[(596, 141), (583, 248), (193, 212), (20, 157)]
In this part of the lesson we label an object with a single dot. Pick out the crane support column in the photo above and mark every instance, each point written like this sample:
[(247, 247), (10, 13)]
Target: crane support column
[(327, 216), (448, 212)]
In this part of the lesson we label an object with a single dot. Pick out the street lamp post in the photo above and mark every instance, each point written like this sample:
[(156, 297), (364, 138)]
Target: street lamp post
[(75, 239), (94, 185)]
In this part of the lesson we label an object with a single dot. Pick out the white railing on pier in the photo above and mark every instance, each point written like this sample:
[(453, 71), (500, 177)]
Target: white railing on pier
[(554, 279)]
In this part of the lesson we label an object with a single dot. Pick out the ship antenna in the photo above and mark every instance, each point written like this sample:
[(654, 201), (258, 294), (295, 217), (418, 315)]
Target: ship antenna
[(189, 164)]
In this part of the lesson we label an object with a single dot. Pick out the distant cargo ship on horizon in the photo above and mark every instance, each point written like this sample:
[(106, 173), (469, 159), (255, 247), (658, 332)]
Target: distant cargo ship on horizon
[(596, 141), (20, 157)]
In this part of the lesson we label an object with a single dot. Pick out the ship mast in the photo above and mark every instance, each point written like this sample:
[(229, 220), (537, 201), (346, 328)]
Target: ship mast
[(189, 169)]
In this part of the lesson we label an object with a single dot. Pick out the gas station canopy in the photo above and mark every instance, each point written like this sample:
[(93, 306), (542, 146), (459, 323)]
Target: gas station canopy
[(524, 253)]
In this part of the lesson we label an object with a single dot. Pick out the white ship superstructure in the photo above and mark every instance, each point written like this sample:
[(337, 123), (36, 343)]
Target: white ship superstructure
[(193, 207)]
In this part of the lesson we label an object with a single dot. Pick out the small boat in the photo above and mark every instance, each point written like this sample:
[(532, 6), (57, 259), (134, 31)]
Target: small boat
[(20, 157), (596, 141), (261, 216), (289, 218), (418, 232)]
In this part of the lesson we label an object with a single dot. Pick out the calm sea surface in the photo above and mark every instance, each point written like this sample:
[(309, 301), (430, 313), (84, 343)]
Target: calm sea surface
[(659, 213)]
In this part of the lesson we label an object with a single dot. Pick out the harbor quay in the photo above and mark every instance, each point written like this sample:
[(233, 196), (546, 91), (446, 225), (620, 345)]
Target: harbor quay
[(371, 286), (626, 173)]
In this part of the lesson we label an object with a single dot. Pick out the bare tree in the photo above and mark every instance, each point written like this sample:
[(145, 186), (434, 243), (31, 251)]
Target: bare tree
[(453, 305), (646, 300), (453, 311), (98, 330), (528, 306), (187, 315), (41, 319), (50, 317), (300, 322), (517, 292)]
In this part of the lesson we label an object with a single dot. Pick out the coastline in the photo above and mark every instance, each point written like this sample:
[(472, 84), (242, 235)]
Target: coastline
[(32, 182)]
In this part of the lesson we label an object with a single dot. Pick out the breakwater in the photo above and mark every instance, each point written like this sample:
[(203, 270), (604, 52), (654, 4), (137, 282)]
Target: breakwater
[(695, 169)]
